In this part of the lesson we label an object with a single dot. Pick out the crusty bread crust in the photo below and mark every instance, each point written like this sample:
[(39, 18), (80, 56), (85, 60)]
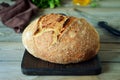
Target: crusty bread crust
[(61, 39)]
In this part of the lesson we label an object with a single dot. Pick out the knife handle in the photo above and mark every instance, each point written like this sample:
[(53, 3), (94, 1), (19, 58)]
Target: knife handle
[(110, 29)]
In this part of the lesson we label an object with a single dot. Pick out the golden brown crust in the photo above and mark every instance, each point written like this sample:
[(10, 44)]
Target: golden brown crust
[(61, 39)]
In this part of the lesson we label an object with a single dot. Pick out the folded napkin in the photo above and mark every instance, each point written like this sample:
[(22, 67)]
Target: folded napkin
[(18, 15)]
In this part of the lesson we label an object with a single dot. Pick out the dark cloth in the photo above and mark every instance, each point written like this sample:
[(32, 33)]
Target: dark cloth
[(18, 15)]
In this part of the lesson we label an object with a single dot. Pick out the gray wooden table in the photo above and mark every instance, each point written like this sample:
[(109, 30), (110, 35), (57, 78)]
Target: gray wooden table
[(12, 49)]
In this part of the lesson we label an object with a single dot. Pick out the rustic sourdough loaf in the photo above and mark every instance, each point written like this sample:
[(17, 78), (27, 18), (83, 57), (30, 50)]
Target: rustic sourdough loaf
[(61, 39)]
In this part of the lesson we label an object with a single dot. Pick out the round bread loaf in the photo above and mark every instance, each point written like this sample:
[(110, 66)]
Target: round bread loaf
[(61, 39)]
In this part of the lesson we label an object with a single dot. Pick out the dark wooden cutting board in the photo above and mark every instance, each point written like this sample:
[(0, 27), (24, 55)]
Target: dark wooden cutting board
[(34, 66)]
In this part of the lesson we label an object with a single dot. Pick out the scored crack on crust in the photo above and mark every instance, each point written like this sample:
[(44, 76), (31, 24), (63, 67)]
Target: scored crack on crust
[(61, 39)]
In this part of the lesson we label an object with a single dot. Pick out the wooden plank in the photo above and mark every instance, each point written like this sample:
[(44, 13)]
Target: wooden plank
[(12, 71), (8, 35), (106, 14), (106, 37), (10, 63), (11, 46), (92, 11), (111, 71), (102, 3), (16, 56), (109, 57), (110, 47), (111, 15), (110, 3), (68, 3), (13, 51), (19, 46), (11, 55)]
